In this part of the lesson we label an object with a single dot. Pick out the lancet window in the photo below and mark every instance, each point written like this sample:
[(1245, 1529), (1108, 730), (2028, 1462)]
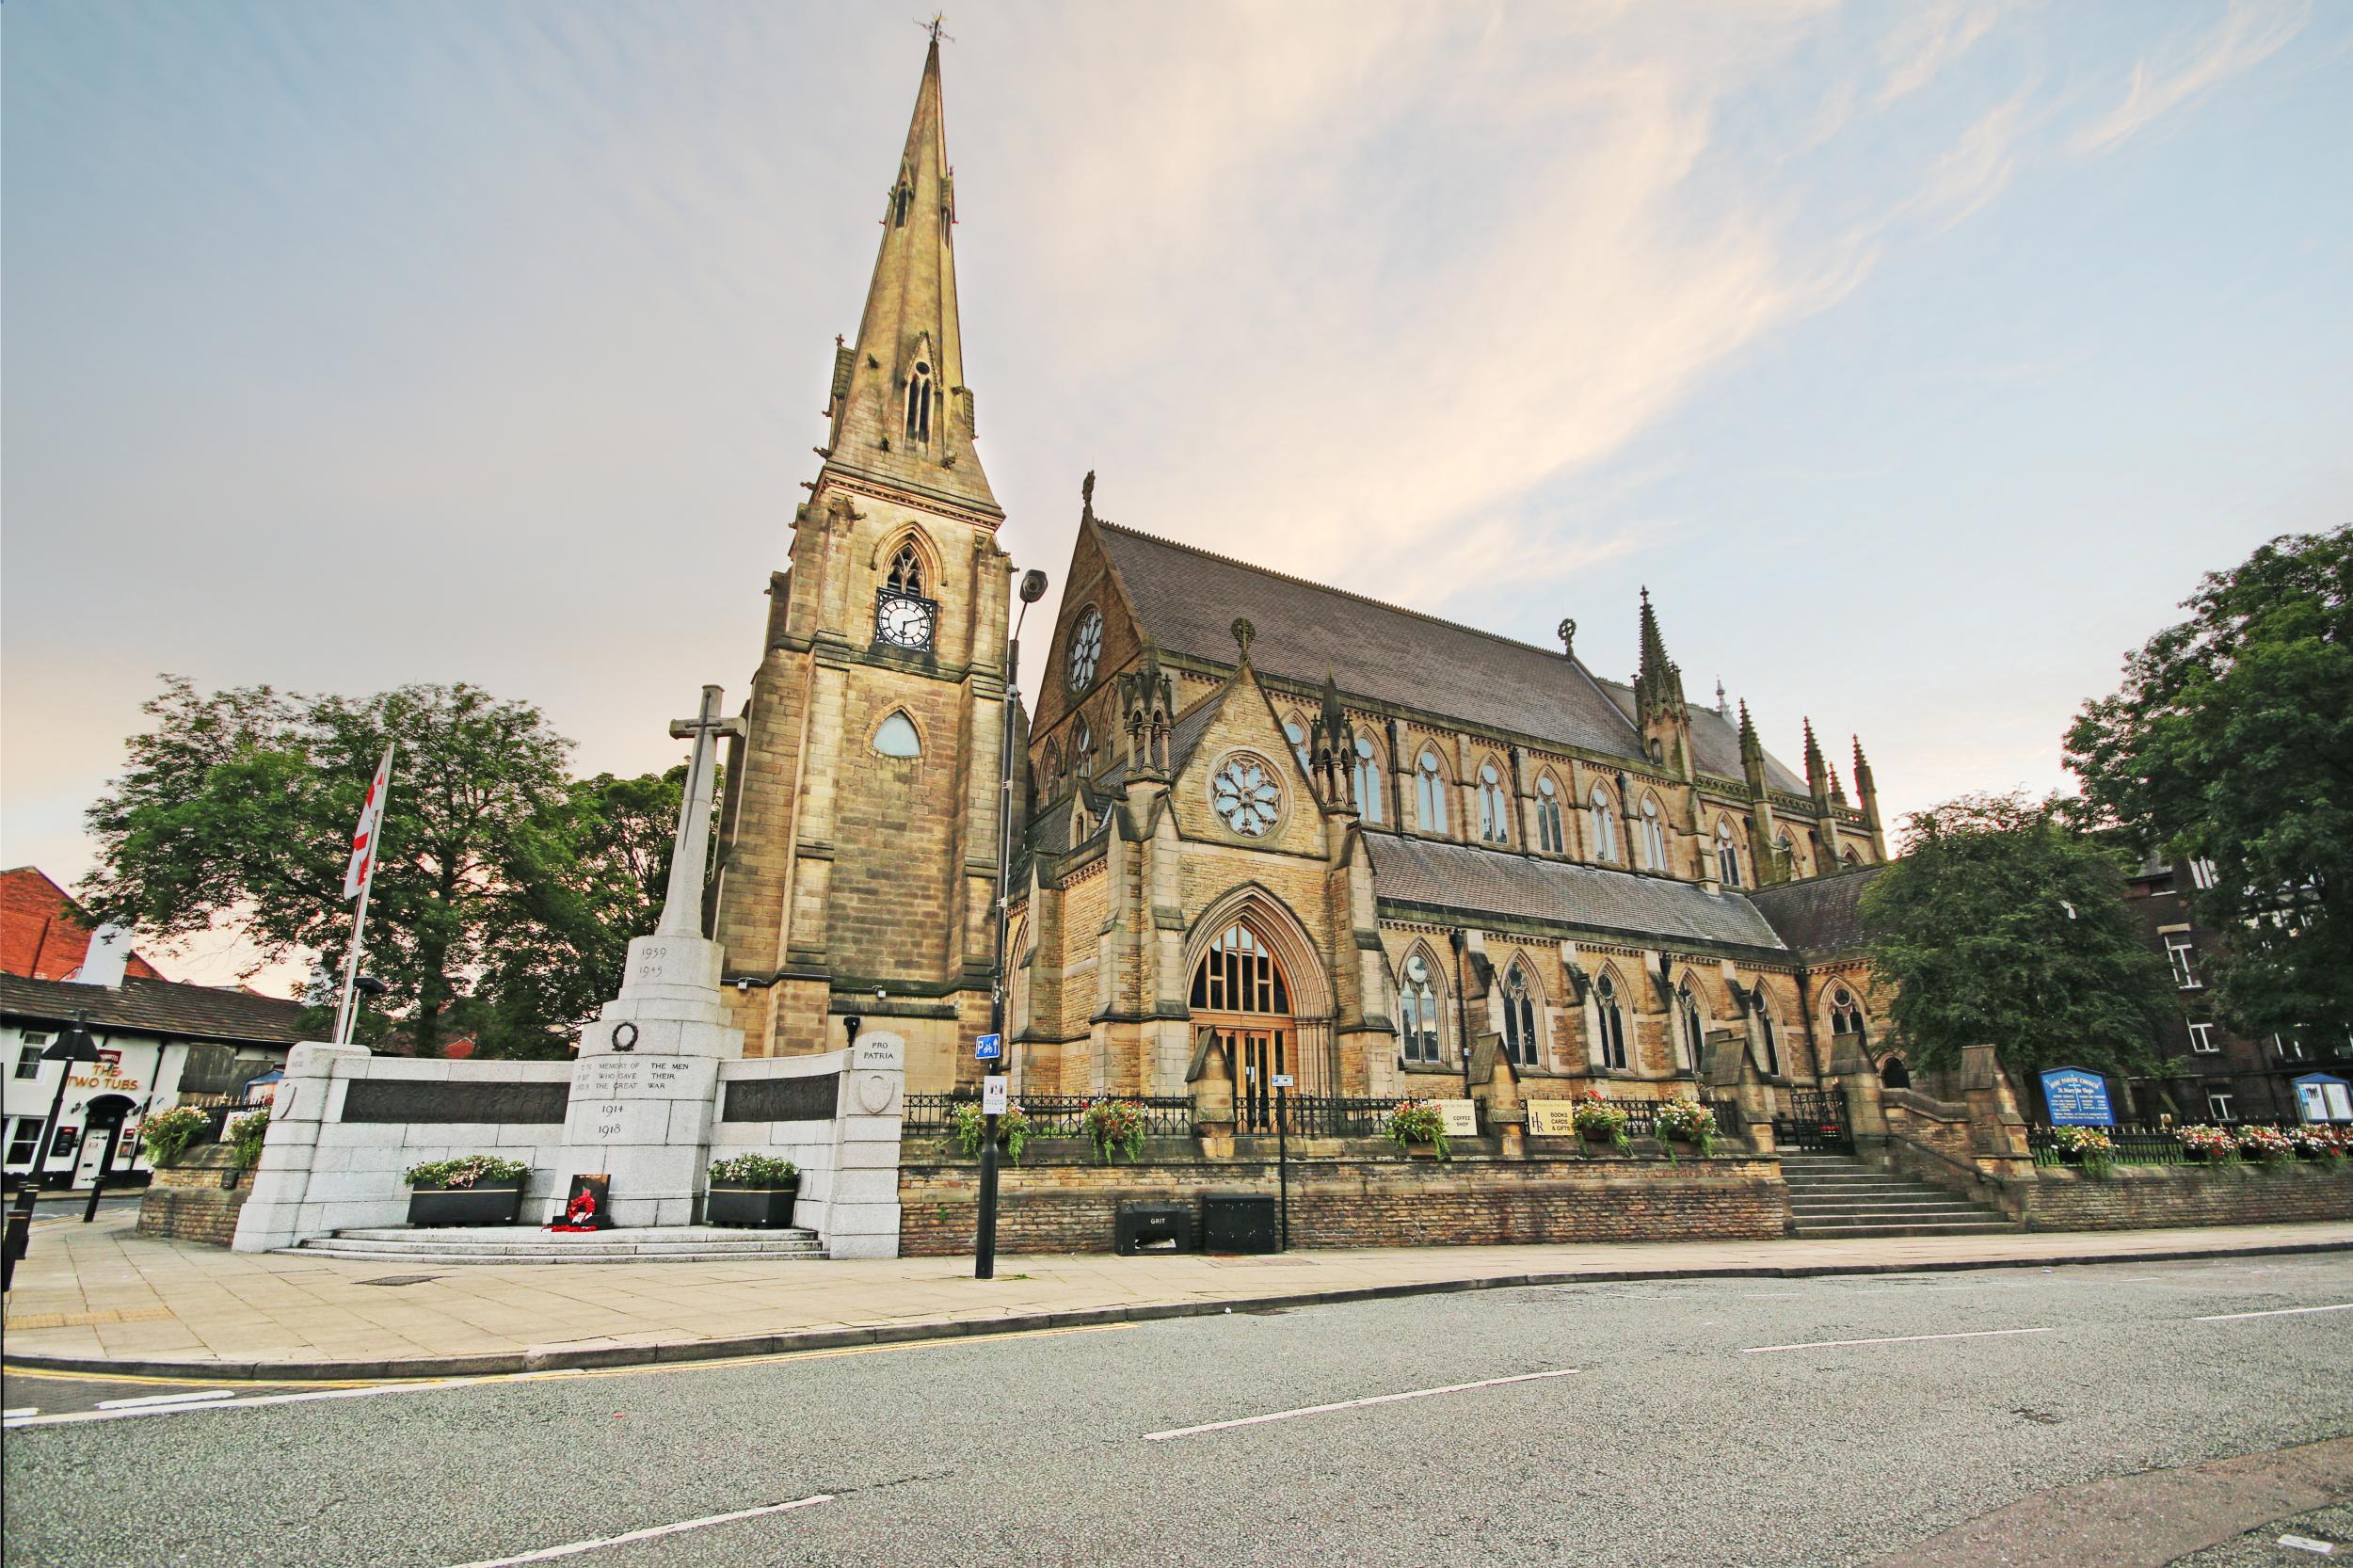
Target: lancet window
[(1549, 835), (1521, 1041), (1649, 837), (1367, 781), (1612, 1021), (1605, 827), (920, 402), (1694, 1028), (1727, 855), (1418, 1011), (1430, 799), (1238, 975), (1495, 807)]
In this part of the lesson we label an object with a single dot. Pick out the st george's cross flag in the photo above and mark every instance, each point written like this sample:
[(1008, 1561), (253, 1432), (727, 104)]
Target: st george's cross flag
[(363, 837)]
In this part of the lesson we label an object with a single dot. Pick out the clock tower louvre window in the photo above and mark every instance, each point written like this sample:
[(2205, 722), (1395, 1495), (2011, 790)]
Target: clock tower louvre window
[(904, 617)]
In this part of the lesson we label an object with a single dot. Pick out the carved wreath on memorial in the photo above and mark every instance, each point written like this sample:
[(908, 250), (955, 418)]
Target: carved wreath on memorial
[(1245, 796)]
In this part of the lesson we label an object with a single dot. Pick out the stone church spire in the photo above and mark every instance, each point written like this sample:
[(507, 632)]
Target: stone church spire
[(901, 414)]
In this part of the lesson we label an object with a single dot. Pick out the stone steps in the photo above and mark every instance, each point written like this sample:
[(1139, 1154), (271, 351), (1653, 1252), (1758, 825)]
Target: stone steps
[(532, 1244), (1835, 1196)]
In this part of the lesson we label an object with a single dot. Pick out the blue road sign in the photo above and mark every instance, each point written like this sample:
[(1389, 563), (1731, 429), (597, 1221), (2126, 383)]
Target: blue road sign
[(989, 1047)]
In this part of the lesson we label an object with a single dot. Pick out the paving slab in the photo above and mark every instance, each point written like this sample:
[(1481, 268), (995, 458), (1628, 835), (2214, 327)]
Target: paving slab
[(101, 1297)]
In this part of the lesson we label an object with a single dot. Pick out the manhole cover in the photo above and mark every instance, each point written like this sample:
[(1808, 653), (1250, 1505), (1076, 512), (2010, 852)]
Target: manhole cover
[(401, 1279)]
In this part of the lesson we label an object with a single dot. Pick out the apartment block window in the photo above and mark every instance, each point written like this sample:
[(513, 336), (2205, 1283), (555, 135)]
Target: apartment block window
[(2220, 1103), (2201, 1040), (2202, 873), (23, 1138), (2182, 955), (2290, 1046), (28, 1058)]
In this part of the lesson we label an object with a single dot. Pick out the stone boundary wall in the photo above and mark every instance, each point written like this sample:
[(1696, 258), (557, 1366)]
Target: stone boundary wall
[(1366, 1201), (186, 1202), (2132, 1197)]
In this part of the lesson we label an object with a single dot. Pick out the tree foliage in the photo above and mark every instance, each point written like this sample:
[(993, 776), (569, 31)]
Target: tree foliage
[(506, 893), (2231, 741), (2001, 925)]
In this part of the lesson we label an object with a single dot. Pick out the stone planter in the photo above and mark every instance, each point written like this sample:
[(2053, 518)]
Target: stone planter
[(1421, 1151), (751, 1207), (436, 1207)]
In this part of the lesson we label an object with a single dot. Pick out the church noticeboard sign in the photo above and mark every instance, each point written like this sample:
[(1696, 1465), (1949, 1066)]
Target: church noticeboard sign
[(1460, 1118), (2077, 1098), (1552, 1118)]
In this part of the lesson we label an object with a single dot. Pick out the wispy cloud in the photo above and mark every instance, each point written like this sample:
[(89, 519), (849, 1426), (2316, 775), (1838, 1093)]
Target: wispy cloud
[(2251, 31)]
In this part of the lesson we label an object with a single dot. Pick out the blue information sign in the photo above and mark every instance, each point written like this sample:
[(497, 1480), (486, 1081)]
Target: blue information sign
[(989, 1047), (2077, 1098)]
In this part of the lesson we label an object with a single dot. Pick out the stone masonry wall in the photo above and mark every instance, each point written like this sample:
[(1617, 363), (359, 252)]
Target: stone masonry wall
[(186, 1202), (2133, 1196), (1371, 1201)]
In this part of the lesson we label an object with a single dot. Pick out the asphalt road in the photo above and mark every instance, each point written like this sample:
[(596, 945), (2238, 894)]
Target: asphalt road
[(1682, 1427)]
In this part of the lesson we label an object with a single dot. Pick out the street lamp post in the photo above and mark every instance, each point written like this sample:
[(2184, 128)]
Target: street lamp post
[(72, 1045), (985, 1245)]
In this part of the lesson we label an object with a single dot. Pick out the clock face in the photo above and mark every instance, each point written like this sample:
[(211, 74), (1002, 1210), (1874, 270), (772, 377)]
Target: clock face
[(905, 622), (1086, 649), (1245, 796)]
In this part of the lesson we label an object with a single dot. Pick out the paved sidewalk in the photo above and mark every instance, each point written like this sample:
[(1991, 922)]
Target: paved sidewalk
[(101, 1297)]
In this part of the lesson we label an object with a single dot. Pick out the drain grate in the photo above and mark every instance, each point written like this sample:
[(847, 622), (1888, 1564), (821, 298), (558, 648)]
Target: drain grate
[(400, 1279)]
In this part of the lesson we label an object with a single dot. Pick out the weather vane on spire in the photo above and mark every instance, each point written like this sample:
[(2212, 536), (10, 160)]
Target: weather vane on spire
[(932, 27)]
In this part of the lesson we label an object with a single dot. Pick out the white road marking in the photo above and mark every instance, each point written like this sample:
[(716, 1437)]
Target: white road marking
[(1892, 1339), (2276, 1312), (544, 1553), (21, 1412), (1353, 1404), (148, 1400), (2306, 1544)]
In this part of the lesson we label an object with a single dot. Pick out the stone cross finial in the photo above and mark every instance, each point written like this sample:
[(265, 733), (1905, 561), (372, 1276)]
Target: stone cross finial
[(1243, 632), (1086, 495), (1567, 631), (682, 900)]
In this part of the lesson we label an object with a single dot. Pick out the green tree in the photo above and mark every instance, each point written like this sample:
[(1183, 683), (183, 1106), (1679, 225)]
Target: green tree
[(237, 808), (2230, 742), (2001, 925), (605, 847)]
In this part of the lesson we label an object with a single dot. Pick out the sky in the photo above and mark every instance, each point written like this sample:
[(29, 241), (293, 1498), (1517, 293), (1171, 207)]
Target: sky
[(1919, 357)]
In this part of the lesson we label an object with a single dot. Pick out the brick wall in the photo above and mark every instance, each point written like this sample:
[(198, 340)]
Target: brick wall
[(2133, 1196), (187, 1203), (1362, 1202)]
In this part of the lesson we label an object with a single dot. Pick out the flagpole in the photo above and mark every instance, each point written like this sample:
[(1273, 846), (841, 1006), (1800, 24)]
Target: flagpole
[(345, 1011)]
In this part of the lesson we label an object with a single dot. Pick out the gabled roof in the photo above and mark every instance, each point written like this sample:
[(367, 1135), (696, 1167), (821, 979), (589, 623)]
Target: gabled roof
[(1822, 915), (1436, 874), (1187, 600), (45, 934), (158, 1007)]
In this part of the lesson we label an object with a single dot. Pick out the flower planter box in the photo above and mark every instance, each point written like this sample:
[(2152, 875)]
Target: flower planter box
[(464, 1206), (2070, 1157), (1421, 1151), (1597, 1137), (751, 1207)]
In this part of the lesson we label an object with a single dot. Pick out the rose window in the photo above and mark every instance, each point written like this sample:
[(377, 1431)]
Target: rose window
[(1086, 648), (1245, 796)]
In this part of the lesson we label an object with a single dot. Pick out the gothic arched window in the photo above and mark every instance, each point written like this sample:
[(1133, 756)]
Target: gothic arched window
[(1727, 856), (1296, 734), (906, 572), (1612, 1021), (1082, 751), (1846, 1015), (1893, 1074), (1521, 1041), (1605, 827), (920, 402), (1417, 1010), (1786, 849), (1238, 975), (1767, 1037), (1650, 837), (1549, 835), (1694, 1028), (897, 737), (1430, 798), (1495, 807), (1367, 781)]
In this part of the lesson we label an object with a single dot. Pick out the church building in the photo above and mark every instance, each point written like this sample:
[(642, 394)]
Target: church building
[(1261, 826)]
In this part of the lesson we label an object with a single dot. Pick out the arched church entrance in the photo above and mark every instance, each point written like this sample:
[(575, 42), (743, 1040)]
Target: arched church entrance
[(1243, 999)]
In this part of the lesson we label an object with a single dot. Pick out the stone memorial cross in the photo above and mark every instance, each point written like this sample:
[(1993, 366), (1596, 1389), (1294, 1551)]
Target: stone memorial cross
[(683, 902)]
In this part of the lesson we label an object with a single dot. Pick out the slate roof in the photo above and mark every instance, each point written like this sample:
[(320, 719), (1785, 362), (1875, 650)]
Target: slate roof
[(159, 1007), (1188, 599), (1716, 744), (1459, 876), (1820, 915)]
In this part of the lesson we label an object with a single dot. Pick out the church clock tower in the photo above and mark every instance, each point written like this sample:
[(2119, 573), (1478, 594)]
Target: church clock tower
[(858, 836)]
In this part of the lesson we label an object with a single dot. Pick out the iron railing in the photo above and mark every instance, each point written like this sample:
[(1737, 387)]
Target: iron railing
[(1052, 1115), (2139, 1143)]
